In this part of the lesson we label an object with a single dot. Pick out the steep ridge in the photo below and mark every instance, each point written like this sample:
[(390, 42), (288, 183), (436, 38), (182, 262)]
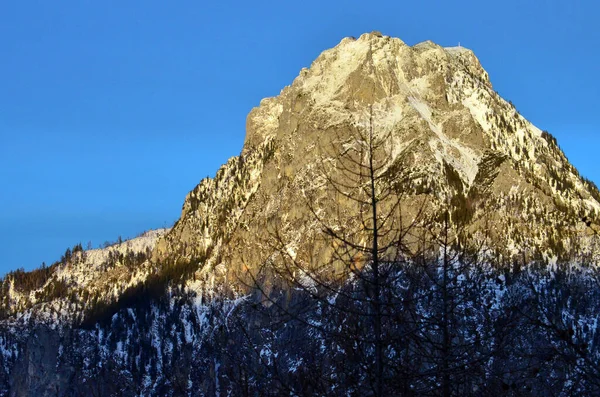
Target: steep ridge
[(63, 291), (135, 311)]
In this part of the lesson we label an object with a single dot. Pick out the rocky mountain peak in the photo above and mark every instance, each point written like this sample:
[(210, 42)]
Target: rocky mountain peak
[(373, 69), (383, 72), (441, 118)]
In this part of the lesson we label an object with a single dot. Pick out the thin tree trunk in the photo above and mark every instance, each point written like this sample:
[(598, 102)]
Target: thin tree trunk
[(376, 276), (445, 316)]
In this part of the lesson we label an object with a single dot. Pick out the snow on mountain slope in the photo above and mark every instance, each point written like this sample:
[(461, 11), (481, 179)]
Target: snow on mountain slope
[(65, 289)]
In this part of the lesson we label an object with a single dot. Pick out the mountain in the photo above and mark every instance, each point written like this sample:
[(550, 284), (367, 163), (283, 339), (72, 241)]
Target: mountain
[(153, 315)]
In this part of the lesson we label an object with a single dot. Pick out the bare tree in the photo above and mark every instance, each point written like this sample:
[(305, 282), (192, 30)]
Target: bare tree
[(366, 235)]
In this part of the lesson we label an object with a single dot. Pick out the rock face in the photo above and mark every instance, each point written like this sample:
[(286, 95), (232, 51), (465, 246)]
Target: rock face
[(136, 318), (38, 365), (441, 117)]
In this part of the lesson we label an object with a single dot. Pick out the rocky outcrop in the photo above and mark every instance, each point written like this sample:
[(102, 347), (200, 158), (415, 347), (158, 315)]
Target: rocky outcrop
[(37, 372)]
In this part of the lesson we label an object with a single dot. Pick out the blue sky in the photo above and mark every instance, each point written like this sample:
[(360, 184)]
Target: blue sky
[(111, 111)]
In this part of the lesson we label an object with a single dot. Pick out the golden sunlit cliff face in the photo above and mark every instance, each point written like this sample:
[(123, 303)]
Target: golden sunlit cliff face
[(456, 142)]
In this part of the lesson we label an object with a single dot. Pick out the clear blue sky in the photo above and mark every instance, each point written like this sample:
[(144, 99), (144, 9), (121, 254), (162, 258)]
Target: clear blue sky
[(111, 111)]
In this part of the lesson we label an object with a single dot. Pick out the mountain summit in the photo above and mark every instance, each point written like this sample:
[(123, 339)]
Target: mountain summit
[(157, 315), (445, 127)]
